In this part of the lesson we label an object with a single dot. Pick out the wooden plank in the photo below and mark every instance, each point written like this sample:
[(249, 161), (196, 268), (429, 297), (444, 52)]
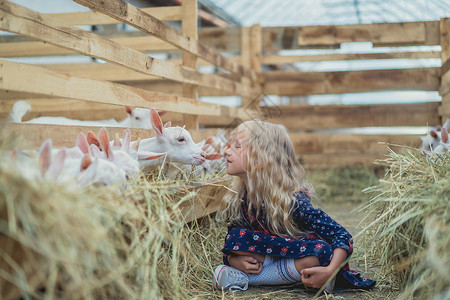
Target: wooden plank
[(246, 60), (135, 17), (279, 38), (274, 38), (14, 75), (277, 59), (445, 39), (386, 33), (26, 49), (21, 20), (163, 13), (357, 144), (444, 108), (65, 107), (33, 135), (189, 27), (313, 117), (308, 83), (209, 196), (42, 81), (100, 71), (444, 89), (319, 161)]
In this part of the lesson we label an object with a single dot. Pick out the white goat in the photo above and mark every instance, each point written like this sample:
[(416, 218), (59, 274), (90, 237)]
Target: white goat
[(78, 171), (176, 142), (136, 118), (431, 141)]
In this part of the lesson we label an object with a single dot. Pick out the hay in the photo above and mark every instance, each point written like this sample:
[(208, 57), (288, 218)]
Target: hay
[(409, 239), (97, 243), (93, 243)]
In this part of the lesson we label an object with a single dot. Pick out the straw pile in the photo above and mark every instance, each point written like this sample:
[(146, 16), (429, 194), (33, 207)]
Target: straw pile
[(410, 237), (95, 243)]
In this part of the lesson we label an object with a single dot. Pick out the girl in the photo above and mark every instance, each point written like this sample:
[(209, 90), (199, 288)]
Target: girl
[(275, 236)]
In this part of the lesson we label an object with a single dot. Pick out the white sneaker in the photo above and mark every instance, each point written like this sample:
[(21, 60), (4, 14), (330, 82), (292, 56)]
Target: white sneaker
[(230, 278), (330, 286)]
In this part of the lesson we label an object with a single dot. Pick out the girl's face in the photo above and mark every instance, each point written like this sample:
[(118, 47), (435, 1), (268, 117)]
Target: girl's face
[(237, 156)]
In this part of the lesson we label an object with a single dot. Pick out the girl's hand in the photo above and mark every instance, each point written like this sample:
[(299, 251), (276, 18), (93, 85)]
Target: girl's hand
[(315, 277), (246, 264)]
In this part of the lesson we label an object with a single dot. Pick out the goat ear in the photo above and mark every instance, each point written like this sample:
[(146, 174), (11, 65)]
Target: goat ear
[(156, 122), (85, 162), (117, 143), (56, 166), (444, 135), (82, 143), (95, 151), (126, 140), (136, 145), (162, 113), (44, 155), (433, 134), (92, 139), (146, 155), (213, 156), (128, 110), (104, 142)]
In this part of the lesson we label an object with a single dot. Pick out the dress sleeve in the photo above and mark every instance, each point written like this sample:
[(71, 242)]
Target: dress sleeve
[(314, 219)]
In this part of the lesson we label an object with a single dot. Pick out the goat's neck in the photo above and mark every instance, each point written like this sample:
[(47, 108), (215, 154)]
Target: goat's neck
[(152, 144)]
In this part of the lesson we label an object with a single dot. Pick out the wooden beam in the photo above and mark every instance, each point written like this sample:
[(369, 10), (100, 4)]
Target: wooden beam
[(33, 135), (309, 83), (313, 117), (163, 13), (135, 17), (21, 20), (387, 33), (189, 27), (65, 107), (26, 49), (46, 82), (274, 39), (25, 78), (444, 108), (208, 199), (279, 38), (290, 59), (339, 144)]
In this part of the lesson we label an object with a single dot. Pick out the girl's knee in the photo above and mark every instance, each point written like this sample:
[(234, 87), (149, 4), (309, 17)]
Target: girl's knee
[(259, 257), (306, 262)]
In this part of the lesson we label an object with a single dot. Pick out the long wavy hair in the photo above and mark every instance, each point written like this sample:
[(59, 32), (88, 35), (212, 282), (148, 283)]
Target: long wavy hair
[(274, 176)]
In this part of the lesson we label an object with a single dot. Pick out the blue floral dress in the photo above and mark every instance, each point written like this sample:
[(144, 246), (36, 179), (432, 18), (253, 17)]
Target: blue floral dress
[(322, 236)]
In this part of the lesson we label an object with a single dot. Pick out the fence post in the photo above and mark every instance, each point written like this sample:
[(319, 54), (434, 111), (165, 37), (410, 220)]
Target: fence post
[(251, 48), (189, 24), (444, 89)]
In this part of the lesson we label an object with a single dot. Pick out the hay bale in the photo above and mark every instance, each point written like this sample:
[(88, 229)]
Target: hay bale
[(409, 239), (97, 243)]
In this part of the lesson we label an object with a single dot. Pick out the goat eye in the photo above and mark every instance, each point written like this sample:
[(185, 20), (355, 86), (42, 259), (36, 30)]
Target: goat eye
[(181, 139)]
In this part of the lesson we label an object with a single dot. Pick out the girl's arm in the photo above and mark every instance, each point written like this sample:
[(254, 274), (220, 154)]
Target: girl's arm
[(316, 277), (314, 219)]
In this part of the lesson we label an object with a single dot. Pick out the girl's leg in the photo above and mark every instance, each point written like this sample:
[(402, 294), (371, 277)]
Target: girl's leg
[(259, 257), (306, 262)]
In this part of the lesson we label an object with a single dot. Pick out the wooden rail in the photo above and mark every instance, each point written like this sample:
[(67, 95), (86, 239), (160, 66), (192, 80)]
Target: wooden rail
[(251, 68)]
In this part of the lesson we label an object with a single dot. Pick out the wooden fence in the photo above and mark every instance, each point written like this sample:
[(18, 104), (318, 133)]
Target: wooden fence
[(246, 60)]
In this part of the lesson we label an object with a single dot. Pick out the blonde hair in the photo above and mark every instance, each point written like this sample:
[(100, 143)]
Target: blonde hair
[(274, 176)]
